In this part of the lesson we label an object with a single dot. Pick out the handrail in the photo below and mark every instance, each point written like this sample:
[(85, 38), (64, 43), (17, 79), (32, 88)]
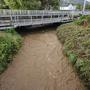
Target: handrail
[(17, 18)]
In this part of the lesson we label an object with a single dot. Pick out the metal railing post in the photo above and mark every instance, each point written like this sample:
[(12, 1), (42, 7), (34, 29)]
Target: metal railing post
[(11, 22), (42, 16)]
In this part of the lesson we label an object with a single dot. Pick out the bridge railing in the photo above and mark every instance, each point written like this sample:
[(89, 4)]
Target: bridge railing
[(30, 17), (30, 12), (37, 12)]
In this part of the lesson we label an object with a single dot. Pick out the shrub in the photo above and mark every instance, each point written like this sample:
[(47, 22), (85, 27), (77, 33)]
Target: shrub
[(10, 42), (84, 20), (88, 18), (76, 41)]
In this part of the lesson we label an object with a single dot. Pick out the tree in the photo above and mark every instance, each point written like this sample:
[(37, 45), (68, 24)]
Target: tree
[(88, 7), (47, 4), (54, 4), (30, 4), (79, 6), (2, 5), (12, 4)]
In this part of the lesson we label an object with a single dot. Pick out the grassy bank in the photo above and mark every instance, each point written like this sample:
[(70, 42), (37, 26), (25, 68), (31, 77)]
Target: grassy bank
[(76, 41), (10, 42)]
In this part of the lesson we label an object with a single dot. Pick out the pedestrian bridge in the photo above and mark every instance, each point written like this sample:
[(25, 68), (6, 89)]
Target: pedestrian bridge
[(18, 18)]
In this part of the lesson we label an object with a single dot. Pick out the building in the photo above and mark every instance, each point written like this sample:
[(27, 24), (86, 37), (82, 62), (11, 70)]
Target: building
[(69, 7)]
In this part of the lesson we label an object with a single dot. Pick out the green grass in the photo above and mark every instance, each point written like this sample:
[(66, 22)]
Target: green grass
[(83, 19), (10, 42), (76, 41)]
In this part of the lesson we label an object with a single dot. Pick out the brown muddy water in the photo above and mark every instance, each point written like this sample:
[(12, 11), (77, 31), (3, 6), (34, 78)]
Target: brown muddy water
[(40, 65)]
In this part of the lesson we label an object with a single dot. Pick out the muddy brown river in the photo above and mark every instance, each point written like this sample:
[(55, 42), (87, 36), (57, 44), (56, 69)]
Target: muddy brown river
[(40, 65)]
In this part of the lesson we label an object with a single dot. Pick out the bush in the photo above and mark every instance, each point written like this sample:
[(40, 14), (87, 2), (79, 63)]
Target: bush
[(88, 18), (76, 41), (84, 20), (12, 31), (10, 42)]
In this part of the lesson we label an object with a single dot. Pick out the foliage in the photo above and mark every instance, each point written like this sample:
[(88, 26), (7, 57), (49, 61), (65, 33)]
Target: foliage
[(54, 4), (10, 42), (11, 31), (88, 18), (13, 4), (79, 6), (76, 41), (84, 19), (30, 4), (2, 4), (88, 7)]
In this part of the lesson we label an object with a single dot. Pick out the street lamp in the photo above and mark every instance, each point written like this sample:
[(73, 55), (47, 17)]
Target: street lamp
[(84, 5)]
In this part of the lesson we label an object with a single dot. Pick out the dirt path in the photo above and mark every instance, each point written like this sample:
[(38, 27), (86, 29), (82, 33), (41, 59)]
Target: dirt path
[(40, 65)]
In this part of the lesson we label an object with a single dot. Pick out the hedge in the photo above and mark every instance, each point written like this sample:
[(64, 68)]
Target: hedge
[(10, 42), (76, 41)]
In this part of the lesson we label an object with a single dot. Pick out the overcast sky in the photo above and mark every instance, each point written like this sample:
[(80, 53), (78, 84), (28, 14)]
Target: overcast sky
[(88, 0)]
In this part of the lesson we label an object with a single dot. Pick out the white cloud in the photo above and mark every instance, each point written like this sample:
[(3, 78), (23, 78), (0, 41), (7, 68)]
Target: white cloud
[(88, 0)]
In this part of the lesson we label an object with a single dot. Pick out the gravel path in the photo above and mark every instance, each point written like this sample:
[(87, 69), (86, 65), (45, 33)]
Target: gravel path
[(40, 65)]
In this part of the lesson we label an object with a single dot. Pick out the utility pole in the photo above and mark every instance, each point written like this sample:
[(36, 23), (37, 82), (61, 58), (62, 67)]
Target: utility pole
[(84, 5)]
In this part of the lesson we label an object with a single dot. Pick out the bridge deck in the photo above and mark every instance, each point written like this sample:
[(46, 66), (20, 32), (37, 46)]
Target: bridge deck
[(17, 18)]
